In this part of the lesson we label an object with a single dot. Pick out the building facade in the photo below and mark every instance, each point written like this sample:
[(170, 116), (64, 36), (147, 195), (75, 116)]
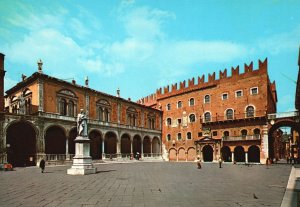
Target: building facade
[(224, 117), (40, 122)]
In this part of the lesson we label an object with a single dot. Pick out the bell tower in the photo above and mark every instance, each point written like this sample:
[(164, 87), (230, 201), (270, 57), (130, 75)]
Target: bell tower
[(2, 74)]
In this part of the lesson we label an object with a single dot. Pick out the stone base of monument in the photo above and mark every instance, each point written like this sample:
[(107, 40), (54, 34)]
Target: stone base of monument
[(82, 162)]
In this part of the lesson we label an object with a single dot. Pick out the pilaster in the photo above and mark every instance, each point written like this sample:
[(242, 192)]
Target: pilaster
[(41, 95)]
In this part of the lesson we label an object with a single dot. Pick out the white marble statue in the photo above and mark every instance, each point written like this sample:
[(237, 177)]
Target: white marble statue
[(82, 124)]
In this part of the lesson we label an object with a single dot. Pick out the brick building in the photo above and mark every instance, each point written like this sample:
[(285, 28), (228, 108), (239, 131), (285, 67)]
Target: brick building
[(224, 117), (40, 121)]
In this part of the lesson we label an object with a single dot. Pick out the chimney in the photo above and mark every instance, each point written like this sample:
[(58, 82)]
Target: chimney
[(2, 74), (73, 82), (118, 92), (23, 77), (129, 99), (40, 66)]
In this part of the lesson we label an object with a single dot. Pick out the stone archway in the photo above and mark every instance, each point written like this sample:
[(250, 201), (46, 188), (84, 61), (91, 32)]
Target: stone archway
[(254, 154), (55, 141), (95, 144), (155, 146), (191, 154), (71, 143), (172, 154), (125, 144), (181, 154), (226, 154), (207, 151), (146, 146), (239, 154), (21, 144), (110, 143), (137, 144)]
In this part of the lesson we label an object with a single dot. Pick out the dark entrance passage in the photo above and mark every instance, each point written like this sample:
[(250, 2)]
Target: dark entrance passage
[(136, 144), (71, 143), (55, 141), (208, 153), (96, 145), (147, 145), (125, 144), (21, 144), (254, 154), (239, 154), (110, 144), (226, 154)]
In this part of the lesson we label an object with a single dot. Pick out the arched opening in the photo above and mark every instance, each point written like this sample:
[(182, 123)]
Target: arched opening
[(95, 145), (226, 154), (21, 144), (146, 146), (191, 156), (71, 143), (207, 152), (55, 141), (254, 154), (125, 144), (181, 154), (155, 146), (172, 155), (136, 144), (110, 144), (239, 154)]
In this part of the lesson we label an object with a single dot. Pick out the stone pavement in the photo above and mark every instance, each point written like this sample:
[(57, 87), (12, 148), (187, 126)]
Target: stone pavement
[(147, 184)]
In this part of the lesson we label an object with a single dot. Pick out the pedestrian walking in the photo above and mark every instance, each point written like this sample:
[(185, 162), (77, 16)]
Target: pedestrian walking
[(267, 163), (199, 163), (42, 165), (220, 162)]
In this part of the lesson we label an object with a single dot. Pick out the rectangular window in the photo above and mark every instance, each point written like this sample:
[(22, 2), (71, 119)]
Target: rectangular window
[(199, 134), (224, 96), (239, 93), (254, 91), (178, 121), (215, 133)]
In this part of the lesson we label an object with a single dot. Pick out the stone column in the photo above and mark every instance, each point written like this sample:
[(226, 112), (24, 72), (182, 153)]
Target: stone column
[(103, 153), (232, 157), (41, 95), (215, 152), (118, 147), (67, 149), (40, 143), (131, 146), (142, 149), (246, 157), (151, 147)]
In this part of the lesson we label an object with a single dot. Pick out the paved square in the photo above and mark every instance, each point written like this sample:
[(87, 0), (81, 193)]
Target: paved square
[(146, 184)]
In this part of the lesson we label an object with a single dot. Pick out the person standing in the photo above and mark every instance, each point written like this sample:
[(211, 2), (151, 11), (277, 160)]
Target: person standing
[(199, 163), (42, 165), (220, 162)]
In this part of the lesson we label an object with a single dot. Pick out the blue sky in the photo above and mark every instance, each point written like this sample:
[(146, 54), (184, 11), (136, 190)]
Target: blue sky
[(143, 45)]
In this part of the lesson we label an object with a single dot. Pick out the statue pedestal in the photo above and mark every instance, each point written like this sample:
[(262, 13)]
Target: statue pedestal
[(82, 162)]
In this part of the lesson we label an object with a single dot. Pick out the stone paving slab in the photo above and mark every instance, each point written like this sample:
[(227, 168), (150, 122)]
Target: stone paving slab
[(146, 184)]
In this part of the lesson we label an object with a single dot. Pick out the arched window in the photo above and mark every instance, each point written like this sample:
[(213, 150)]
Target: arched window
[(229, 114), (192, 118), (168, 107), (169, 137), (250, 111), (106, 115), (63, 107), (189, 135), (192, 102), (169, 121), (244, 133), (179, 136), (104, 109), (207, 99), (100, 114), (226, 134), (71, 108), (207, 117), (179, 104)]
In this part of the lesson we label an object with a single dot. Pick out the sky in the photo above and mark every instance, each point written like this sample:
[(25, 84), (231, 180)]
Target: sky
[(140, 46)]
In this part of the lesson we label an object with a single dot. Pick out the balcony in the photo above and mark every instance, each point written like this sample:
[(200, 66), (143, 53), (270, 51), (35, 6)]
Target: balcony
[(289, 114), (241, 138), (235, 117)]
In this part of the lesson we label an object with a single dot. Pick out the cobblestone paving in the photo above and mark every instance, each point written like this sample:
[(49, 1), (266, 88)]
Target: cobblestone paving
[(146, 184)]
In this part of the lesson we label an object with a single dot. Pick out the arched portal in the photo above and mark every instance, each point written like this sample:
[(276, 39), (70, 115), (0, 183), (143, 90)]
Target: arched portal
[(71, 143), (275, 150), (146, 145), (208, 153), (55, 141), (191, 154), (181, 154), (21, 144), (110, 144), (95, 144), (172, 155), (155, 146), (125, 144), (254, 154), (239, 154), (226, 154), (136, 144)]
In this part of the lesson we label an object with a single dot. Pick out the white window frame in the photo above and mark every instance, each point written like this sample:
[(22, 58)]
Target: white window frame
[(242, 94), (178, 136), (252, 89), (226, 95), (187, 137), (189, 117), (178, 104), (209, 98), (167, 107), (190, 101)]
